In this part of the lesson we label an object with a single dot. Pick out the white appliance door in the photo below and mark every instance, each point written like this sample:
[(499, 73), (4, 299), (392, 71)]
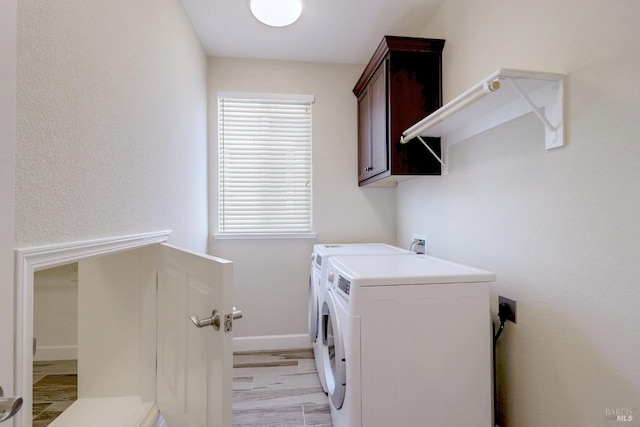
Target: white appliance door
[(194, 365), (313, 307), (333, 351)]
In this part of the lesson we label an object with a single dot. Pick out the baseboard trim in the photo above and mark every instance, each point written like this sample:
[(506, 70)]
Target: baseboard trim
[(154, 418), (56, 352), (271, 342)]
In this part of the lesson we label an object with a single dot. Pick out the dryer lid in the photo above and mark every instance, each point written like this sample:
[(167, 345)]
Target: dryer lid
[(407, 270), (358, 249)]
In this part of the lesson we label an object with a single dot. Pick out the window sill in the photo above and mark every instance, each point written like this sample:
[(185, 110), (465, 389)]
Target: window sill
[(262, 236)]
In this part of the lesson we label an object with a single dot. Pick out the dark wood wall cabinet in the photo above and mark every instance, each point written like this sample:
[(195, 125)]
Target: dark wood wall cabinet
[(400, 85)]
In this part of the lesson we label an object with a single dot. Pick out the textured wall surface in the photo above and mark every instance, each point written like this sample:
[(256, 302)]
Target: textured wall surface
[(272, 276), (560, 228), (111, 122)]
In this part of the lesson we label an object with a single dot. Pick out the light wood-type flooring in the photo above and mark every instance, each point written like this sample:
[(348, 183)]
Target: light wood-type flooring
[(55, 388), (270, 388), (278, 388)]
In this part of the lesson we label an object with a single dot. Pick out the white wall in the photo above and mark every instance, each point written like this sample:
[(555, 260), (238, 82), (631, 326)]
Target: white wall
[(7, 187), (111, 122), (271, 276), (559, 228), (55, 306), (117, 334)]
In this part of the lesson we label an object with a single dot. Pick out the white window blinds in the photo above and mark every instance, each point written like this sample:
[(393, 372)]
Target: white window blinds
[(264, 162)]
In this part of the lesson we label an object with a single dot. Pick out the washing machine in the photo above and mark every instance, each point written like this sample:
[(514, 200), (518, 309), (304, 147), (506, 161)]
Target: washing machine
[(407, 342), (317, 277)]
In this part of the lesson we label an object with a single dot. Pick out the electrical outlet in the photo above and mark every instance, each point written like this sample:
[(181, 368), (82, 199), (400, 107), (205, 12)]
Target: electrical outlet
[(509, 308), (420, 237), (417, 236)]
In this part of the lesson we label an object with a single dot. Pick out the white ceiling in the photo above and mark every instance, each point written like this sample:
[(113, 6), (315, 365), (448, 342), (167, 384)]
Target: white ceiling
[(338, 31)]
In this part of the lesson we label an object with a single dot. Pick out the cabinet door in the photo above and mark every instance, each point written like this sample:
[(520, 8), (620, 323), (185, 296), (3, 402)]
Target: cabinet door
[(378, 101), (194, 365), (364, 136)]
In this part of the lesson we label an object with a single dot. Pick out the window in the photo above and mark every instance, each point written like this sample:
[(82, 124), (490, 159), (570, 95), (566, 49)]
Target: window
[(264, 164)]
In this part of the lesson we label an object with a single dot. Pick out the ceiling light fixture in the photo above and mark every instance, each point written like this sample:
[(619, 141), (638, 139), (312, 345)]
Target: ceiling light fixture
[(276, 13)]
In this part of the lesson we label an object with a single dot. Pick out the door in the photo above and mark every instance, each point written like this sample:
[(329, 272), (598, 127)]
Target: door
[(194, 364), (379, 124), (372, 127), (333, 351), (7, 192), (313, 307), (364, 136)]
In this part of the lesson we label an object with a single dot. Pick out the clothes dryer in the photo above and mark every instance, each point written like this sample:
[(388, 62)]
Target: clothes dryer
[(317, 278), (407, 342)]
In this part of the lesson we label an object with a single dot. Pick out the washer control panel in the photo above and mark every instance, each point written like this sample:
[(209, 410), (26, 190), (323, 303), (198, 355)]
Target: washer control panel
[(344, 285)]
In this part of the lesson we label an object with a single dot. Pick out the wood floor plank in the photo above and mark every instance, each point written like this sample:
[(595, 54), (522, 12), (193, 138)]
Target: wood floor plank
[(271, 388)]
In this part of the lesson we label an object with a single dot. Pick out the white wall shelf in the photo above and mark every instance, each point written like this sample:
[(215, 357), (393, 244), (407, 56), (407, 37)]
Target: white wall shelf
[(501, 97)]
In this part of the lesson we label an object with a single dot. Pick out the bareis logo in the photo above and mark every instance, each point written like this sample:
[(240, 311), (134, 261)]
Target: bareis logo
[(619, 414)]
